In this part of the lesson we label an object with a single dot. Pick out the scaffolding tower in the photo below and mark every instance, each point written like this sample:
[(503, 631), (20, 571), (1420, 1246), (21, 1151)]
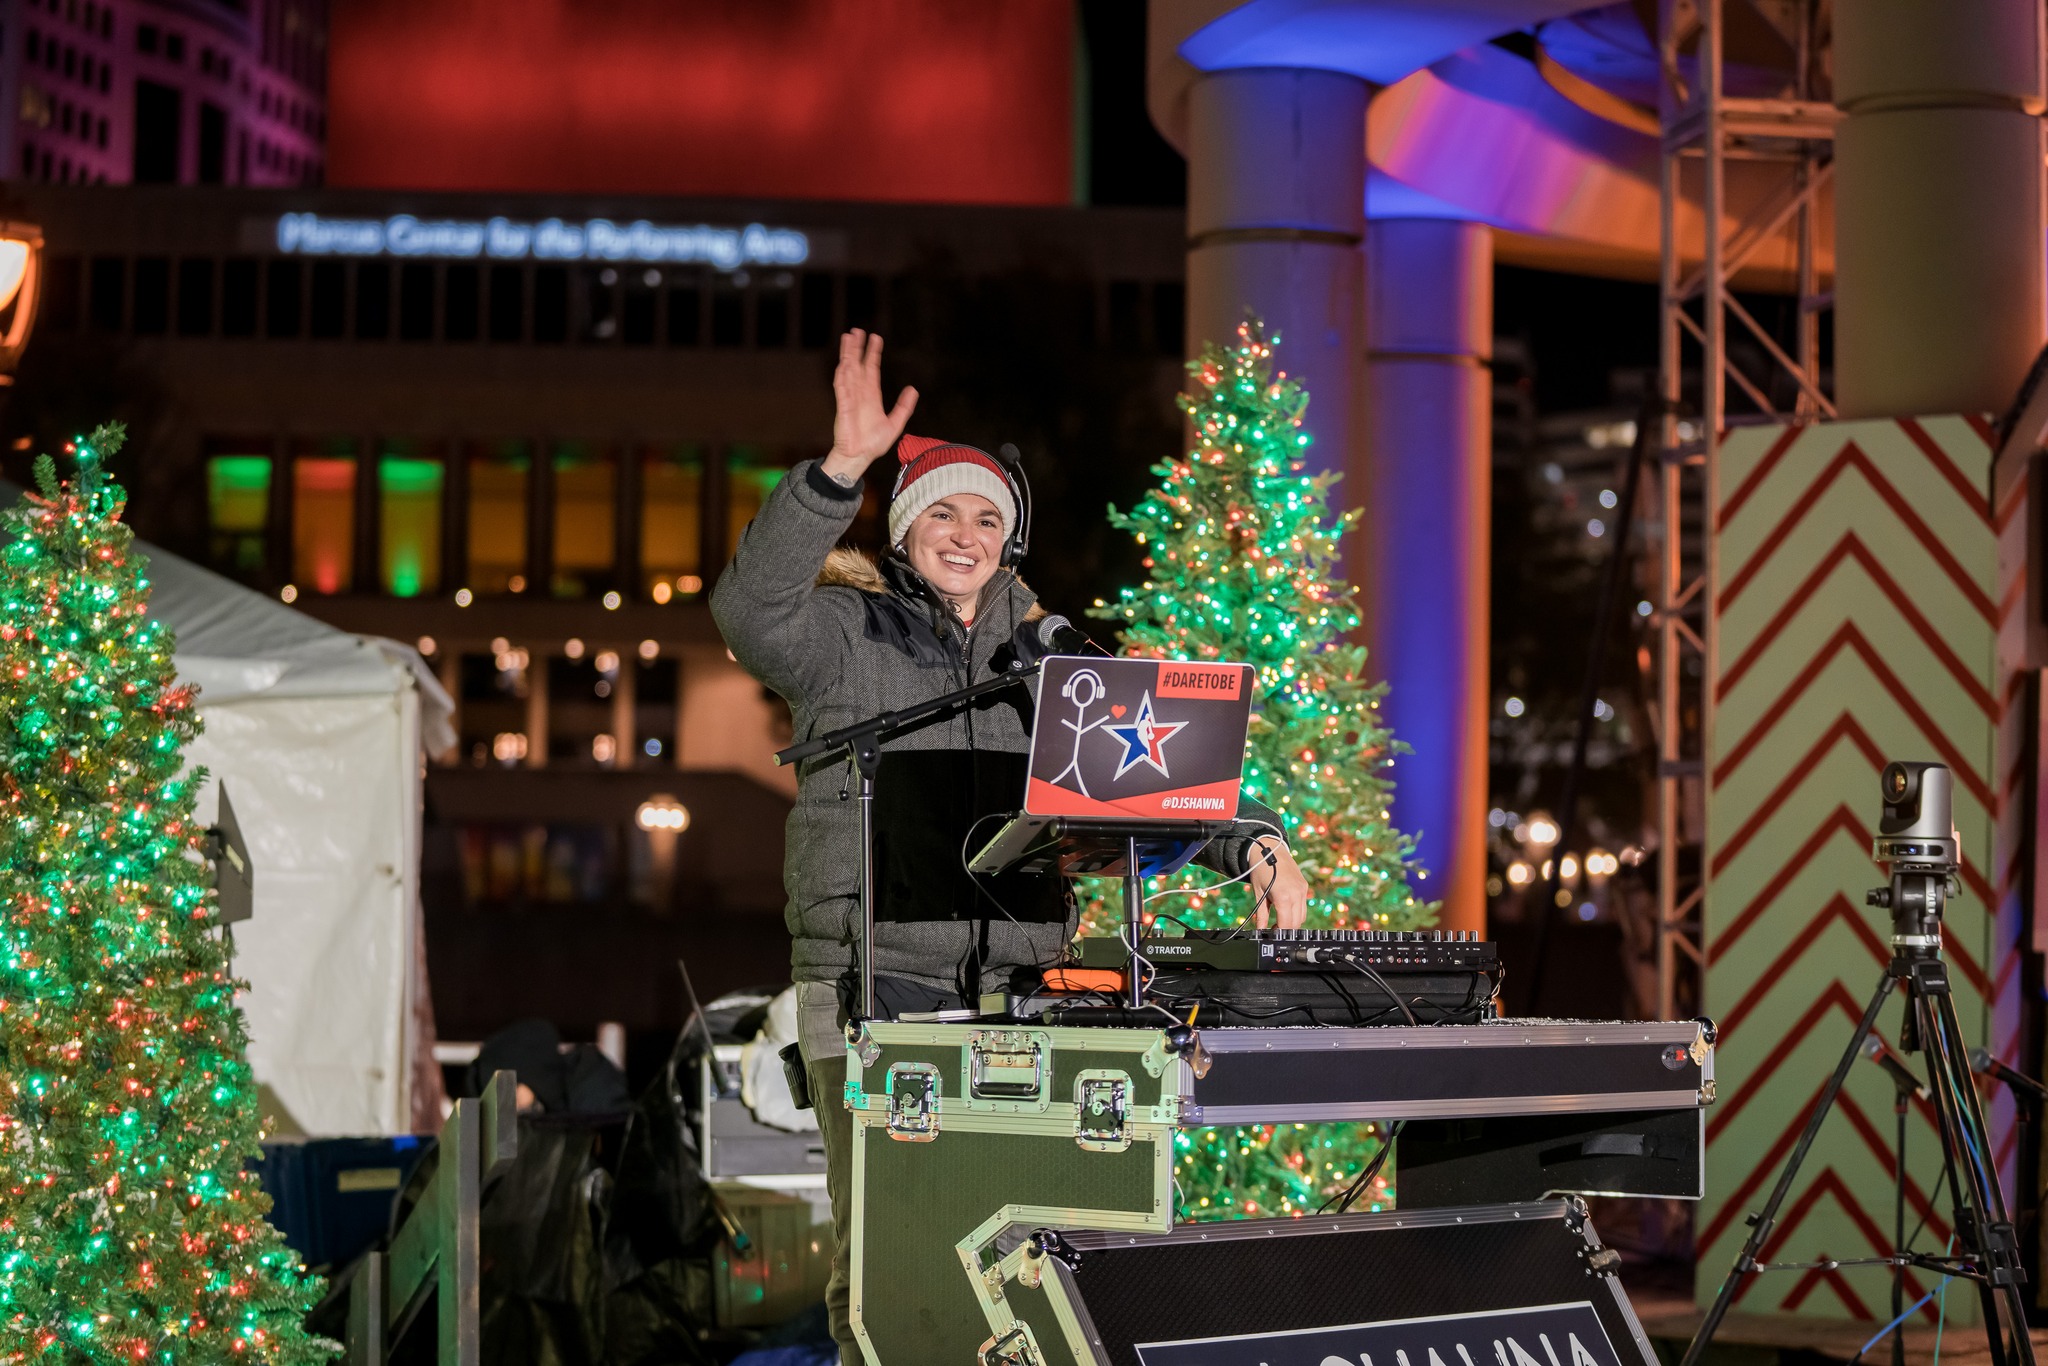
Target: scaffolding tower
[(1786, 137)]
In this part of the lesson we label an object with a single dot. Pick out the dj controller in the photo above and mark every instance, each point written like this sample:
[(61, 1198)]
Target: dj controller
[(1303, 951), (1304, 977)]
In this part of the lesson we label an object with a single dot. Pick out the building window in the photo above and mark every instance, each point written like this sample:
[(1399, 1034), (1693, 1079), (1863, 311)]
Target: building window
[(324, 517), (550, 304), (750, 475), (728, 314), (152, 296), (238, 298), (863, 301), (174, 46), (814, 327), (106, 293), (771, 312), (499, 479), (656, 692), (59, 308), (213, 144), (283, 306), (642, 292), (580, 701), (685, 309), (671, 503), (237, 507), (158, 111), (585, 521), (508, 304), (195, 297), (598, 299), (373, 300), (492, 717), (330, 298), (462, 292), (146, 36), (416, 301), (409, 490)]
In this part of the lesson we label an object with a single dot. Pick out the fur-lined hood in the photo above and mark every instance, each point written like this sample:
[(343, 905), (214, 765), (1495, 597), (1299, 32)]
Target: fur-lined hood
[(846, 567)]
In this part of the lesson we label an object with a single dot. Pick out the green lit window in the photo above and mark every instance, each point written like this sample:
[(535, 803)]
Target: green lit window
[(499, 475), (671, 499), (324, 519), (586, 495), (237, 513), (409, 519), (751, 477)]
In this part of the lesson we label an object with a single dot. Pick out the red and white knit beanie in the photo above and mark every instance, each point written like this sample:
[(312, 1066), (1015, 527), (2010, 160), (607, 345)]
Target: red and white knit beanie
[(932, 470)]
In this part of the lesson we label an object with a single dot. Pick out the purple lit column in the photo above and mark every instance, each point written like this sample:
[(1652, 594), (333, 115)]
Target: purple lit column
[(1938, 204), (1428, 441), (1276, 212)]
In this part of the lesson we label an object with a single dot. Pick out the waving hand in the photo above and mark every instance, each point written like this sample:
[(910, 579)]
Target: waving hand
[(862, 430)]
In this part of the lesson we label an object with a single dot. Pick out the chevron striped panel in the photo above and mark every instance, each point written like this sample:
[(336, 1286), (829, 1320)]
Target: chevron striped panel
[(1858, 613)]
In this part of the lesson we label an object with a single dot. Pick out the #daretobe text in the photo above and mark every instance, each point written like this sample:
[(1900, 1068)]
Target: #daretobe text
[(506, 239)]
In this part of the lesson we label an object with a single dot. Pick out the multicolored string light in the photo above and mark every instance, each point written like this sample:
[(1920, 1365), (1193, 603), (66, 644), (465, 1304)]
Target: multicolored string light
[(1241, 553), (129, 1229)]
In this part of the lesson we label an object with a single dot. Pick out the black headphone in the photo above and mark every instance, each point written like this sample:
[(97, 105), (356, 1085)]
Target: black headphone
[(1019, 544), (1011, 465)]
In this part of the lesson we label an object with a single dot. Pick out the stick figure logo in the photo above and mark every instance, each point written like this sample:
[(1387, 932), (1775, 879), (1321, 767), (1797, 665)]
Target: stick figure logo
[(1084, 689)]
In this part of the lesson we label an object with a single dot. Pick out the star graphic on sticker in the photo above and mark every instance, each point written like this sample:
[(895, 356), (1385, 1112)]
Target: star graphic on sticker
[(1143, 739)]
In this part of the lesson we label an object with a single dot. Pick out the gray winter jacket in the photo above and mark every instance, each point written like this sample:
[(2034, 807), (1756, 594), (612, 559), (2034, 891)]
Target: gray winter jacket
[(840, 642)]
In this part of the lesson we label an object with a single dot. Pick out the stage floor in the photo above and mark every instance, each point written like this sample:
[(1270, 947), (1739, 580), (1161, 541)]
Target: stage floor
[(1793, 1340)]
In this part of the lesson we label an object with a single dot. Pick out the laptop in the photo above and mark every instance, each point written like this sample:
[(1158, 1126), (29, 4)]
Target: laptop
[(1151, 749)]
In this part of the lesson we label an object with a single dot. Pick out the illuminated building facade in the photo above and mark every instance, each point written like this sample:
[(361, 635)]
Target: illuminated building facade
[(522, 433), (205, 92)]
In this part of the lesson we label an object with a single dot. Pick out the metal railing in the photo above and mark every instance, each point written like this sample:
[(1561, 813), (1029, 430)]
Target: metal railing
[(437, 1248)]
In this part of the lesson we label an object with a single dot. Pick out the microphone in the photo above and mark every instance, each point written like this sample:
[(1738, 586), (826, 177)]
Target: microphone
[(1881, 1053), (1982, 1063), (1059, 636)]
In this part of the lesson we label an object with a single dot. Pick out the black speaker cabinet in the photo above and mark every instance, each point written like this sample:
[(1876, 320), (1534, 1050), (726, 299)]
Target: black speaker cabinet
[(1498, 1285)]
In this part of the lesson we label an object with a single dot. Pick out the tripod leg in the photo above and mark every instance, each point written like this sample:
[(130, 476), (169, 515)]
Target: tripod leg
[(1967, 1209), (1761, 1222), (1982, 1222), (1901, 1105)]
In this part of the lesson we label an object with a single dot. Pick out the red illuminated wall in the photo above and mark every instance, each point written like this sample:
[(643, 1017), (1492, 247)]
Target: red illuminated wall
[(949, 100)]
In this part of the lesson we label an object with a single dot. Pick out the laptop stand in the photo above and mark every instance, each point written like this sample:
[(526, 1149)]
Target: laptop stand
[(1069, 846)]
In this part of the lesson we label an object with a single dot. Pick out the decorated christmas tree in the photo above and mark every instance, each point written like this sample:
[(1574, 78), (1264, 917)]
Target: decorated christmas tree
[(130, 1231), (1241, 554)]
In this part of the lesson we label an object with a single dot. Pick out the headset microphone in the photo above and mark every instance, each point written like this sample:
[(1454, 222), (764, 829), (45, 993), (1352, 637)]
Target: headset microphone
[(1019, 544), (1061, 637)]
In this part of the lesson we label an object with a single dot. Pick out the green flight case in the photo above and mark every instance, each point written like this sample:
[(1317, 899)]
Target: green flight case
[(969, 1137)]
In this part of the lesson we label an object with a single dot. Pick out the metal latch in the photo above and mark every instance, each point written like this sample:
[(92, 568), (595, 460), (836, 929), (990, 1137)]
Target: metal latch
[(1102, 1111), (1007, 1065), (1014, 1348), (913, 1102)]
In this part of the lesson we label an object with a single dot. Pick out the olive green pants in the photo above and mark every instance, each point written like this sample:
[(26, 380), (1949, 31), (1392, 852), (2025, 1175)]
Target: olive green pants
[(835, 1125)]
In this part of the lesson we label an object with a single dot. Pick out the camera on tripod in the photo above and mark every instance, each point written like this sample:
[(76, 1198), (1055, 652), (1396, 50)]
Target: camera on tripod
[(1916, 840)]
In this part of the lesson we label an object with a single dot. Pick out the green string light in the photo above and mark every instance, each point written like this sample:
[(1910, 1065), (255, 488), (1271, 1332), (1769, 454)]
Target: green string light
[(1241, 551), (129, 1229)]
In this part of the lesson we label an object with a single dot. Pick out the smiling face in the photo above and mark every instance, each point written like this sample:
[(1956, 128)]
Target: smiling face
[(956, 543)]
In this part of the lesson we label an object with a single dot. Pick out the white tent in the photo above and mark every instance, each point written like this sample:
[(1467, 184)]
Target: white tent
[(318, 737)]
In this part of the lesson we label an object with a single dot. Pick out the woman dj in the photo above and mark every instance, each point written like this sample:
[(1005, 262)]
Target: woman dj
[(842, 638)]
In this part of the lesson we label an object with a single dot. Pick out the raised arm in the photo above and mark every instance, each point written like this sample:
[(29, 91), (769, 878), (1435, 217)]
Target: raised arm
[(765, 603)]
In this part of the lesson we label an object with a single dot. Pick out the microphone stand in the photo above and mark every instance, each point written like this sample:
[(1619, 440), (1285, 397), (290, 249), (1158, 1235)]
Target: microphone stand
[(862, 741)]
